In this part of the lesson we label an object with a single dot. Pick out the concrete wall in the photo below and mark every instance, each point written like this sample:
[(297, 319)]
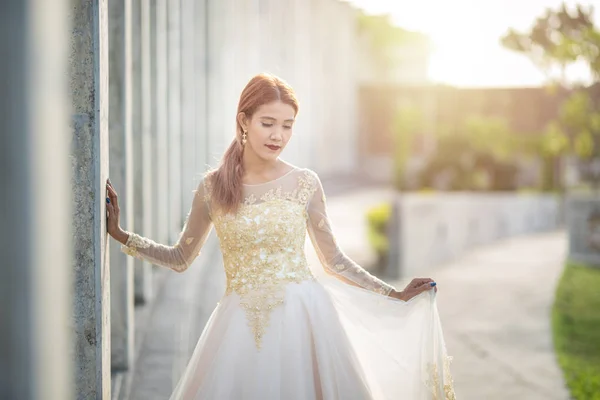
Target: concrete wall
[(36, 236), (311, 48), (438, 228), (583, 222), (88, 74)]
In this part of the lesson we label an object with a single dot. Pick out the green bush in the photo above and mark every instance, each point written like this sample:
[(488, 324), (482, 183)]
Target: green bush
[(378, 218), (576, 330)]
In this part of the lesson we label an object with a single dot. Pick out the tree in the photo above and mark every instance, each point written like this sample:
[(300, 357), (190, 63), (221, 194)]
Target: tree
[(560, 38)]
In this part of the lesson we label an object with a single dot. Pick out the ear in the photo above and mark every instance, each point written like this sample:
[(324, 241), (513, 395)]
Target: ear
[(243, 121)]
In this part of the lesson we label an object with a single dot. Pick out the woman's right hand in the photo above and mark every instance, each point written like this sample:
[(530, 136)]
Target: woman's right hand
[(113, 227)]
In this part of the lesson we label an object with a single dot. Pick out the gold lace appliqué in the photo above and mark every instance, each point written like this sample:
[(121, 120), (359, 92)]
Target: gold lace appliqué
[(445, 392), (207, 188), (135, 242), (263, 250)]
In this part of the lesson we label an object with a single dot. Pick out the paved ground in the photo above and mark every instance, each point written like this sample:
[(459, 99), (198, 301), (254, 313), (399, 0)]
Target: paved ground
[(495, 309), (494, 304)]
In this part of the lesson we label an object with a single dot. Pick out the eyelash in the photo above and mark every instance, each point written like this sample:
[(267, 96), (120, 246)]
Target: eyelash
[(270, 125)]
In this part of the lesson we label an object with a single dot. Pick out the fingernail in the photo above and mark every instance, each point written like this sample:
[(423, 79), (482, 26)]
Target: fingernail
[(107, 200), (432, 283)]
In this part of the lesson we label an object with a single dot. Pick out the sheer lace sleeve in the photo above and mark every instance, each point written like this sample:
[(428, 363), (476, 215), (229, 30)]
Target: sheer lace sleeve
[(195, 231), (332, 257)]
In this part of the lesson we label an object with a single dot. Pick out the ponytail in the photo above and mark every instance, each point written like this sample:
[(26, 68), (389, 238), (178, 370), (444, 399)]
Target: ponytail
[(227, 179)]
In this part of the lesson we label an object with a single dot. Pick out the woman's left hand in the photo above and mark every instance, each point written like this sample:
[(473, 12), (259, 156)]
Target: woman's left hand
[(415, 287)]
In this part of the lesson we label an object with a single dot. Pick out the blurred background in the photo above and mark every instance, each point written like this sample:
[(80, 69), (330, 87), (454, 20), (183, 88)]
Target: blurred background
[(458, 140)]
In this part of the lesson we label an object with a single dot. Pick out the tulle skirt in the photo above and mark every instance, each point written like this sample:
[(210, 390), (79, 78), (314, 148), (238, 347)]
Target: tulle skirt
[(328, 340)]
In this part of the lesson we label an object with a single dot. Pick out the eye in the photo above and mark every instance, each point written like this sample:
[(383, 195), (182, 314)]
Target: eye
[(267, 125), (287, 127)]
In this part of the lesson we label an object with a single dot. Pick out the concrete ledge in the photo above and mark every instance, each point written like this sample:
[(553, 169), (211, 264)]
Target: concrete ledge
[(438, 228), (583, 222)]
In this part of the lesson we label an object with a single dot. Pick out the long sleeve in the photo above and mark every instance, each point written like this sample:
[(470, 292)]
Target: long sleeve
[(193, 236), (331, 256)]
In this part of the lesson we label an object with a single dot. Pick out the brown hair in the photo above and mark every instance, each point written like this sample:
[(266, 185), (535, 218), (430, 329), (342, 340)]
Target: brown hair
[(227, 178)]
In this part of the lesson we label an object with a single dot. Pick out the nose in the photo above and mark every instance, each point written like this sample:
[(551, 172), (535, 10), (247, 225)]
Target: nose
[(276, 134)]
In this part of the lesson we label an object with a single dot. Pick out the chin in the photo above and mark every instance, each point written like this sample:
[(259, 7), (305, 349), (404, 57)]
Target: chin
[(270, 157)]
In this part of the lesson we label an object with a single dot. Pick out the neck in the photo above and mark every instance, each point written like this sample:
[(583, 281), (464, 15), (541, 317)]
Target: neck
[(255, 165)]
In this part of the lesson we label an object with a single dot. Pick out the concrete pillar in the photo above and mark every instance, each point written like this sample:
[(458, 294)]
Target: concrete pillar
[(121, 174), (89, 165), (583, 225), (302, 56), (218, 115), (174, 118), (35, 205), (160, 112), (188, 104), (201, 96), (142, 140)]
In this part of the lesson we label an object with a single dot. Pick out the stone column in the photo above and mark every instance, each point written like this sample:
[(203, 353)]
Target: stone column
[(89, 165), (121, 284), (201, 88), (174, 118), (159, 111), (36, 331), (188, 104), (217, 113), (142, 140)]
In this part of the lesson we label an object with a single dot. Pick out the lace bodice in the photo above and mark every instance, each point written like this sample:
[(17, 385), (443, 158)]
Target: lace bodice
[(263, 243)]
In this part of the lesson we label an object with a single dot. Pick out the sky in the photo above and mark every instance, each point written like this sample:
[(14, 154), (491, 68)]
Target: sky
[(466, 37)]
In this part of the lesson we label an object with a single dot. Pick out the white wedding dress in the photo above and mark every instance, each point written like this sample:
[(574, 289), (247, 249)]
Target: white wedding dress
[(292, 331)]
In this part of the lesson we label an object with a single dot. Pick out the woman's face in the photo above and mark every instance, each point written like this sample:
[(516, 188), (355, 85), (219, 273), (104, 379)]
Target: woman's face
[(269, 129)]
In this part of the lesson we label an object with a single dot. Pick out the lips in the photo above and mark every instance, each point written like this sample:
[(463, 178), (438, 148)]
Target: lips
[(273, 147)]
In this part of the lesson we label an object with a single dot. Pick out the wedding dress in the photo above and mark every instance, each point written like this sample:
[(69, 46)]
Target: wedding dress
[(292, 331)]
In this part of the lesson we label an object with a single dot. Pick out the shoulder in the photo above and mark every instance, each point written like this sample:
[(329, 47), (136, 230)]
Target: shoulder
[(310, 174), (309, 180), (206, 183), (208, 176), (305, 173)]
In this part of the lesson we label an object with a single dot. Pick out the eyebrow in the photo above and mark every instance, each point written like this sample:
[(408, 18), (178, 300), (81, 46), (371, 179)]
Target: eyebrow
[(274, 119)]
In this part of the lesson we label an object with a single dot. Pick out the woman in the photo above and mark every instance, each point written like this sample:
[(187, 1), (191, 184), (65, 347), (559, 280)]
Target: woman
[(284, 329)]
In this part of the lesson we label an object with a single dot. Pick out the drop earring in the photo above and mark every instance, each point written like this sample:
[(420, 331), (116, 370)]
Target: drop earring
[(244, 138)]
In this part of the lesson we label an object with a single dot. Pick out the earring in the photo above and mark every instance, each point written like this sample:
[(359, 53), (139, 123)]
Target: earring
[(244, 138)]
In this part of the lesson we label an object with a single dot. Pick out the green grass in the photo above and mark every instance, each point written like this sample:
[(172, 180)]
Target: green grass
[(576, 329)]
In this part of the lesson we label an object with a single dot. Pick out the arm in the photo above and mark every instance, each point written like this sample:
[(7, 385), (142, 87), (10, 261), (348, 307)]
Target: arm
[(332, 257), (180, 256)]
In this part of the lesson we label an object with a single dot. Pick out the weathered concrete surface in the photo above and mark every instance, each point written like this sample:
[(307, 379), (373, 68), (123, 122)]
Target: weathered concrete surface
[(201, 95), (188, 104), (143, 177), (121, 174), (160, 131), (174, 119), (88, 74), (35, 205)]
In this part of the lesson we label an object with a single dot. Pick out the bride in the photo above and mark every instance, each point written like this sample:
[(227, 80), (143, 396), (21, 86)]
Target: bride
[(285, 329)]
